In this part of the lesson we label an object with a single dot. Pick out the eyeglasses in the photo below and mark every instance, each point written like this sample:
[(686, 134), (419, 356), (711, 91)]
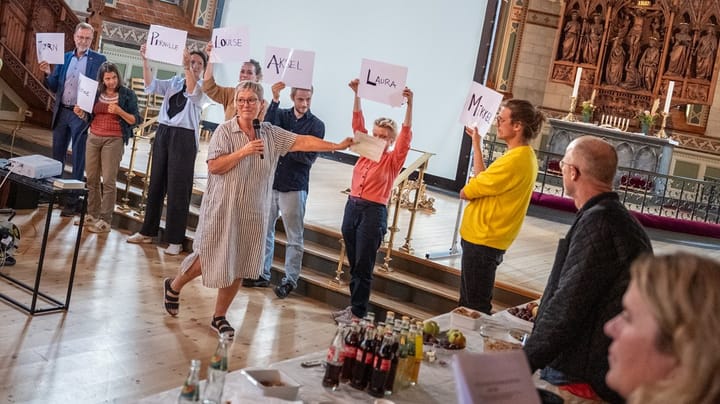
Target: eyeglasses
[(563, 164), (83, 38), (248, 101)]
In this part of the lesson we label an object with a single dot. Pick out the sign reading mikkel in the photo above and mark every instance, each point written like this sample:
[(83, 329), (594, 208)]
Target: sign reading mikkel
[(293, 67), (50, 47), (165, 44), (87, 88), (230, 44), (382, 82), (481, 107)]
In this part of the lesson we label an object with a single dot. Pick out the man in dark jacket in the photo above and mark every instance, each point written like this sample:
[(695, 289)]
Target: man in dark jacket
[(589, 276), (64, 80)]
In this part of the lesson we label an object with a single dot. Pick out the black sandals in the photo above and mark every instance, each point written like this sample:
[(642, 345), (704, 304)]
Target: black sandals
[(221, 325), (171, 298)]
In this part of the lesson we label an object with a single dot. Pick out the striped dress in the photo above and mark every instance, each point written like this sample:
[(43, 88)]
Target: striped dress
[(230, 237)]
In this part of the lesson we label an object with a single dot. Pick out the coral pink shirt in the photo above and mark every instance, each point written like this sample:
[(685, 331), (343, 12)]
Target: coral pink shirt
[(373, 181)]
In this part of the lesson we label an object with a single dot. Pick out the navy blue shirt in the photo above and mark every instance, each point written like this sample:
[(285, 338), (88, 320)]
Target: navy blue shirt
[(293, 169)]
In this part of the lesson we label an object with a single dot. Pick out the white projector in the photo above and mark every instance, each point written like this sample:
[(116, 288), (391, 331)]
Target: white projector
[(35, 166)]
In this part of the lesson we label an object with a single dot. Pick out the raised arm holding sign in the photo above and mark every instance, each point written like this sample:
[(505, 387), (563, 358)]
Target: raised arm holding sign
[(293, 67), (165, 44), (382, 82), (230, 44)]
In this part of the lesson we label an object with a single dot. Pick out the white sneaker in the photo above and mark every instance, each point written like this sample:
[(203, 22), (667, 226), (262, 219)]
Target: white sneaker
[(138, 238), (173, 249), (100, 226), (89, 220)]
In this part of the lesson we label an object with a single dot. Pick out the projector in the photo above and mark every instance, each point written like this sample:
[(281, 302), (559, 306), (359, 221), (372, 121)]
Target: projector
[(35, 166)]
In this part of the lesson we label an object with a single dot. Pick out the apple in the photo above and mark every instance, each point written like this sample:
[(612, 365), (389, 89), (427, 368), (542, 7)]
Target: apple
[(431, 328)]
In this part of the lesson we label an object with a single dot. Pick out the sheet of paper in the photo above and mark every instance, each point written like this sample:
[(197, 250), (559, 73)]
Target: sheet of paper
[(87, 88), (481, 107), (494, 378), (230, 44), (382, 82), (50, 47), (165, 44), (294, 67), (368, 146)]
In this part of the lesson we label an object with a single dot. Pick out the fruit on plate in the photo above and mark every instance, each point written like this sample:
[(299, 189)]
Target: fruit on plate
[(456, 339), (431, 328)]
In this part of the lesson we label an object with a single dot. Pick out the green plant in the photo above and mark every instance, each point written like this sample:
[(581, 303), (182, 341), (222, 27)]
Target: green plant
[(646, 118), (587, 107)]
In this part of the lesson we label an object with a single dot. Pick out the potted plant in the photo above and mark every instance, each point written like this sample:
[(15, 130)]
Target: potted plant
[(587, 110), (647, 119)]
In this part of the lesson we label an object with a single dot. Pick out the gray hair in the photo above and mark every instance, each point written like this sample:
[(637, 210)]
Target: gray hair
[(257, 88)]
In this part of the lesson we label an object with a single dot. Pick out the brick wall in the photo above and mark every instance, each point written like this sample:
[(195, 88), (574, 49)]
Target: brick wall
[(146, 12)]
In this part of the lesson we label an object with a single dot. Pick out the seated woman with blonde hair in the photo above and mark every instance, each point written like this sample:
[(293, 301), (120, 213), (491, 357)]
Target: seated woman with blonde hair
[(665, 345)]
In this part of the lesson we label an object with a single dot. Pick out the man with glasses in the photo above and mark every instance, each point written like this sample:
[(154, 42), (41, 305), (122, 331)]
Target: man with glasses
[(68, 128), (290, 187), (250, 70), (589, 276)]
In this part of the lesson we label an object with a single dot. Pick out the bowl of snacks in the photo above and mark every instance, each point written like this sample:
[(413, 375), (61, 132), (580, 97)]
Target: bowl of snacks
[(462, 317), (273, 383), (500, 338)]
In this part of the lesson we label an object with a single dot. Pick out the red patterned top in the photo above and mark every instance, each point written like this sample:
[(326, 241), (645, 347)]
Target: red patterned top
[(105, 123)]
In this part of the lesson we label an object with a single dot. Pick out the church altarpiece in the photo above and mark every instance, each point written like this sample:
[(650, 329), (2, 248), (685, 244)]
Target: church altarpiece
[(630, 51)]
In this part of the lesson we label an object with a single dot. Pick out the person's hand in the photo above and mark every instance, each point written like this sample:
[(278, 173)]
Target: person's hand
[(276, 88), (114, 108), (208, 49), (45, 67), (186, 59), (472, 131), (354, 85), (408, 94), (79, 112), (143, 47), (349, 141), (255, 147)]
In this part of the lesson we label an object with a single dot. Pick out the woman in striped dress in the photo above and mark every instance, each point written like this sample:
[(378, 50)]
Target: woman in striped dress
[(229, 243)]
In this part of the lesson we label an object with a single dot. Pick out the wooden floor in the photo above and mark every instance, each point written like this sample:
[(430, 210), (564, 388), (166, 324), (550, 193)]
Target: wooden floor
[(116, 344)]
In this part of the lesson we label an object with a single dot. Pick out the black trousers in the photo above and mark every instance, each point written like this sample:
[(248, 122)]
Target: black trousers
[(477, 277)]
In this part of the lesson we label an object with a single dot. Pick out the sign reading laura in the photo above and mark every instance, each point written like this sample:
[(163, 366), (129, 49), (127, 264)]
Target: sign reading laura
[(481, 107), (165, 44), (230, 44), (382, 82), (87, 88), (294, 67), (50, 47)]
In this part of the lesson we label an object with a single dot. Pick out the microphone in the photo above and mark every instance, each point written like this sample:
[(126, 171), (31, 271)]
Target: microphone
[(256, 126)]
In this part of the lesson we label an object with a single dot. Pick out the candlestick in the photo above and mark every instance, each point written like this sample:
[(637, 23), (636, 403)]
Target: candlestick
[(577, 82), (661, 133), (592, 97), (570, 117), (668, 96)]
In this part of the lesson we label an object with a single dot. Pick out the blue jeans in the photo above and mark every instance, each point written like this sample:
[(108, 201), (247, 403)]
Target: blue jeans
[(477, 277), (363, 228), (292, 206), (70, 130)]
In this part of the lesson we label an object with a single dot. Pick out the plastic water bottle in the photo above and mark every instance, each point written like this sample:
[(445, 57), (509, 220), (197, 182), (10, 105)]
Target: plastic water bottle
[(216, 373)]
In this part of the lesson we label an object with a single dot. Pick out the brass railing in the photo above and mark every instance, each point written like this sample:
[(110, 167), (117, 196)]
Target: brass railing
[(143, 131)]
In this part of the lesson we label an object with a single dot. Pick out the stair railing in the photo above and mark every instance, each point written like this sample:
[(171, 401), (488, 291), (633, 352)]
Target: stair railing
[(142, 132)]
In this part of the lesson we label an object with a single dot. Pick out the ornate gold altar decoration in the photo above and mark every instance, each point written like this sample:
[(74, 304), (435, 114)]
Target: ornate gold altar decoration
[(630, 50), (425, 203)]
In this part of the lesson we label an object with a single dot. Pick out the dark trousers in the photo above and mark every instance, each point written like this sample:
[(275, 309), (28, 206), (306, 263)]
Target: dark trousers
[(477, 277), (173, 166), (70, 130), (363, 228)]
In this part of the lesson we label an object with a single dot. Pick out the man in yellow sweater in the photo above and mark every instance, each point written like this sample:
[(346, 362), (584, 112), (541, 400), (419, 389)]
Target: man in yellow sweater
[(498, 197)]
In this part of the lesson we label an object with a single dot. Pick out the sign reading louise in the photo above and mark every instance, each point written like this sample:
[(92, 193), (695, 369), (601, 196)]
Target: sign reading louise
[(50, 47), (230, 44), (165, 44), (294, 67), (481, 107), (87, 88), (382, 82)]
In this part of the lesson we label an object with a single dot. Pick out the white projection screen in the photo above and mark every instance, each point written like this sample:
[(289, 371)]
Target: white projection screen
[(437, 40)]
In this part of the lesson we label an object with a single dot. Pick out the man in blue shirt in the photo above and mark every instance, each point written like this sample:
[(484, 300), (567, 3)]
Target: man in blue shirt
[(290, 187), (64, 79)]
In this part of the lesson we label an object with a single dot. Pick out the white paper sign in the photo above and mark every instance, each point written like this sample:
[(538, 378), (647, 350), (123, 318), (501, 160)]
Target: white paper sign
[(165, 44), (368, 146), (50, 47), (501, 377), (382, 82), (294, 67), (481, 107), (230, 44), (87, 88)]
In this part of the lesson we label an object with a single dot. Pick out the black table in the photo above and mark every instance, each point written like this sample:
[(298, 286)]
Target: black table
[(44, 187)]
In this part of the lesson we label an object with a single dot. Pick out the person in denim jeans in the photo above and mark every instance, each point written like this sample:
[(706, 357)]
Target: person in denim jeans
[(365, 220), (498, 197)]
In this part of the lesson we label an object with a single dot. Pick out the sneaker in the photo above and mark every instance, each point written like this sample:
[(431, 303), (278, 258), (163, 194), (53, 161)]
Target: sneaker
[(221, 326), (89, 220), (340, 313), (138, 238), (255, 283), (346, 318), (173, 249), (282, 291), (100, 226)]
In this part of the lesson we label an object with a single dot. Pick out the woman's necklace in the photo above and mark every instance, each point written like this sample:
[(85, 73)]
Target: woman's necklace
[(108, 98)]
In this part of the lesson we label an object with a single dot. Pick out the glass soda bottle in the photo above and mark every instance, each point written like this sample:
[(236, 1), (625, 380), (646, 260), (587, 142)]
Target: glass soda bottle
[(190, 392), (415, 373), (381, 366), (334, 360), (352, 341), (390, 380), (364, 359), (216, 372)]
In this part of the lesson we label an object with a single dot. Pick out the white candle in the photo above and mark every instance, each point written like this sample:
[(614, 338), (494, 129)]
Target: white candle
[(577, 82), (668, 96)]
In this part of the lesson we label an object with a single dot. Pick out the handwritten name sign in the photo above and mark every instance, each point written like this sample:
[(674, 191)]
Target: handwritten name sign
[(230, 44), (165, 44), (50, 47), (294, 67), (87, 88), (382, 82), (481, 107)]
